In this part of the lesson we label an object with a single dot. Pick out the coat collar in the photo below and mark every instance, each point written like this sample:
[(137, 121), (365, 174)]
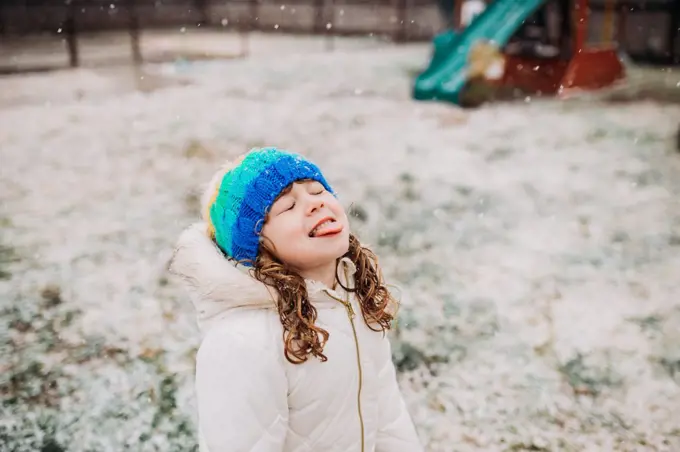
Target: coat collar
[(217, 285)]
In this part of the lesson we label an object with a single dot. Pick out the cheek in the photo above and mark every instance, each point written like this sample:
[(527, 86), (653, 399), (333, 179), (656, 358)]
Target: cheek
[(337, 210), (282, 232)]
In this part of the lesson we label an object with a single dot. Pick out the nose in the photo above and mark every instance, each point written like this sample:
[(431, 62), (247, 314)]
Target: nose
[(314, 203)]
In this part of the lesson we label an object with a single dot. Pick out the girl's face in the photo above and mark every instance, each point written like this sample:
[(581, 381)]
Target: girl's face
[(307, 227)]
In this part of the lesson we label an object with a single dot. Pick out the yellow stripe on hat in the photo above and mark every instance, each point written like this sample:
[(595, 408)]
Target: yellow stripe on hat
[(214, 187)]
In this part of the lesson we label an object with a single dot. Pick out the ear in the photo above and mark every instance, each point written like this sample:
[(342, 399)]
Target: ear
[(267, 246)]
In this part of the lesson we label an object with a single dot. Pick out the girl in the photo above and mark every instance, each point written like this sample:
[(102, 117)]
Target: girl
[(294, 313)]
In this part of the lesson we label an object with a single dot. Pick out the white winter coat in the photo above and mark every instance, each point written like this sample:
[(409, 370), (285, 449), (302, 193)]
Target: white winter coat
[(250, 398)]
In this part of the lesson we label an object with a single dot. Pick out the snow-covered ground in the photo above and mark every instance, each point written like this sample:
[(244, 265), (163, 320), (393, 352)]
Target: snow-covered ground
[(537, 245)]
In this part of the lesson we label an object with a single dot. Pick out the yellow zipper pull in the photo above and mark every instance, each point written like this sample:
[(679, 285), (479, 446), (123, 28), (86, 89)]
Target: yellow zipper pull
[(350, 309)]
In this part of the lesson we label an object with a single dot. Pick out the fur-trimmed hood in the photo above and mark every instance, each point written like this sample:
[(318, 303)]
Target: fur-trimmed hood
[(217, 285)]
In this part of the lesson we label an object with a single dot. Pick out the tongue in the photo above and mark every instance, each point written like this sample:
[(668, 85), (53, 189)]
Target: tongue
[(328, 229)]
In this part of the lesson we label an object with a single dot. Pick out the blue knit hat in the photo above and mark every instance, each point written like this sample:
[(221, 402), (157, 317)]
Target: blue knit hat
[(237, 209)]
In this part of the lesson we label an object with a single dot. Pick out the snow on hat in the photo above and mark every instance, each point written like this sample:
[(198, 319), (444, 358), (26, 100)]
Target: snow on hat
[(241, 199)]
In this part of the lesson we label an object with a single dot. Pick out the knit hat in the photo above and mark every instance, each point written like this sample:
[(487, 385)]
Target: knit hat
[(241, 200)]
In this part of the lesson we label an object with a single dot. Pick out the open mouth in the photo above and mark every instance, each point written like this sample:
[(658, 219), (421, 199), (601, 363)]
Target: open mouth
[(326, 227)]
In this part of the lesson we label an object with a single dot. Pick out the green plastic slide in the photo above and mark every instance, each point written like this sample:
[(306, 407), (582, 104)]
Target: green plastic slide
[(446, 74)]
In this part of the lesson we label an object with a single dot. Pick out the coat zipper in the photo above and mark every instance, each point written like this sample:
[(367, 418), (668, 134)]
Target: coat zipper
[(351, 314)]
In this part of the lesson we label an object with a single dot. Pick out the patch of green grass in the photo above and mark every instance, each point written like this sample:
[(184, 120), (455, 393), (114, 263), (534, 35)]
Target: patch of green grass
[(597, 135), (647, 323), (34, 384), (587, 379), (7, 257), (671, 366)]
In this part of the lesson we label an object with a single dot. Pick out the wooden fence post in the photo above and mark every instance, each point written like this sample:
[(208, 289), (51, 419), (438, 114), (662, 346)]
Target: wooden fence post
[(401, 13), (318, 16), (134, 32), (71, 35), (674, 33), (329, 27), (457, 18), (253, 20), (247, 27), (202, 7), (3, 23), (621, 26)]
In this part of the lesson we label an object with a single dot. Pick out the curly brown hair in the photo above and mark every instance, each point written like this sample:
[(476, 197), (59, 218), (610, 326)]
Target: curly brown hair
[(298, 315)]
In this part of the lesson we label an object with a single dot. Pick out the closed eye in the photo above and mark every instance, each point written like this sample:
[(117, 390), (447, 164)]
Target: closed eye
[(316, 188), (282, 206)]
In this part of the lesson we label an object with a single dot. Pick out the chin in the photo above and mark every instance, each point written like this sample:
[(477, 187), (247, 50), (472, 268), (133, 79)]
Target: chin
[(336, 251), (338, 248), (344, 244)]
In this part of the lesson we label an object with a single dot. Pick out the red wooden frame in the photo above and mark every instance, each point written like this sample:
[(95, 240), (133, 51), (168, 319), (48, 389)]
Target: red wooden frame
[(587, 68)]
